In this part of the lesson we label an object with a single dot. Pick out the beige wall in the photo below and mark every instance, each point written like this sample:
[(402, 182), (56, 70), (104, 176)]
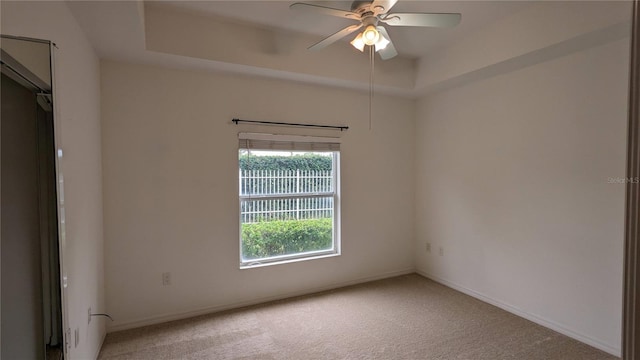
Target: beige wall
[(170, 189), (513, 183), (77, 111)]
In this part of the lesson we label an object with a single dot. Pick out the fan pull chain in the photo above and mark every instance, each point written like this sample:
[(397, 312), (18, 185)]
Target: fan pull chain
[(372, 56)]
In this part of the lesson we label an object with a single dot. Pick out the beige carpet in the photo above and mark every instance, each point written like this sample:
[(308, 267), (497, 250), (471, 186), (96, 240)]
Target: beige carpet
[(406, 317)]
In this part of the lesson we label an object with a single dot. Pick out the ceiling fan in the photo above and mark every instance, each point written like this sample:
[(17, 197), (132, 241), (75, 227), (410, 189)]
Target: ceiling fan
[(370, 14)]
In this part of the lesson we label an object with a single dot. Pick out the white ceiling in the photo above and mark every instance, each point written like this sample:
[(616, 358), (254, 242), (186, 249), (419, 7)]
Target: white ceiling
[(180, 34), (412, 42)]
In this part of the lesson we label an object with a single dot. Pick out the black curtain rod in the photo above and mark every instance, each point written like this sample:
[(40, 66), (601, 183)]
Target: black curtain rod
[(341, 128)]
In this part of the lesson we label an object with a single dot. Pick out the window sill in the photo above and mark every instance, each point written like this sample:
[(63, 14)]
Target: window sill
[(258, 264)]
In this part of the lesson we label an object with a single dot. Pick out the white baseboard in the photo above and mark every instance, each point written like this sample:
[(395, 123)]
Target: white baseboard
[(152, 320), (615, 351)]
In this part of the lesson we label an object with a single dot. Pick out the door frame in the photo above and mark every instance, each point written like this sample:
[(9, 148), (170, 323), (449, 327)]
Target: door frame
[(57, 141), (631, 297)]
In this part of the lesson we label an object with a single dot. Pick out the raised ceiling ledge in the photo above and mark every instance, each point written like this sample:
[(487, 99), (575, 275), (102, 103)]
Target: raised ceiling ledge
[(540, 32), (158, 34), (271, 52)]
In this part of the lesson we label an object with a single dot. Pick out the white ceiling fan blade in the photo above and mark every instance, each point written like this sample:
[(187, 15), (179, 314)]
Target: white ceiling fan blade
[(382, 6), (325, 10), (389, 51), (335, 37), (422, 19)]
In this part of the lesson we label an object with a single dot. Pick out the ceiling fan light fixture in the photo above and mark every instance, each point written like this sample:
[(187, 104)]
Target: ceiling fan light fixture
[(370, 35), (358, 42), (382, 43)]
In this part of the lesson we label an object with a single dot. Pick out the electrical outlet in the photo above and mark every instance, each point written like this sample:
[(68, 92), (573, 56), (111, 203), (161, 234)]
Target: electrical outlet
[(428, 247), (441, 251), (166, 279), (77, 336)]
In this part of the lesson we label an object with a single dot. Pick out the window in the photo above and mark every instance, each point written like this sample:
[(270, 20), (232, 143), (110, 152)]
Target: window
[(289, 198)]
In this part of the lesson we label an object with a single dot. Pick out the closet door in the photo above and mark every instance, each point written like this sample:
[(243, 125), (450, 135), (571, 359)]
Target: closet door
[(21, 283)]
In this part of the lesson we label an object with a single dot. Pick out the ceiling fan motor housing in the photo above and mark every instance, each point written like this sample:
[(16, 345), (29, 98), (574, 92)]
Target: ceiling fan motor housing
[(369, 20)]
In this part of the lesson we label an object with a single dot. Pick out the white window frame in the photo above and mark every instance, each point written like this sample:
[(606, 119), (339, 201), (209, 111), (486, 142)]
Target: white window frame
[(335, 195)]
